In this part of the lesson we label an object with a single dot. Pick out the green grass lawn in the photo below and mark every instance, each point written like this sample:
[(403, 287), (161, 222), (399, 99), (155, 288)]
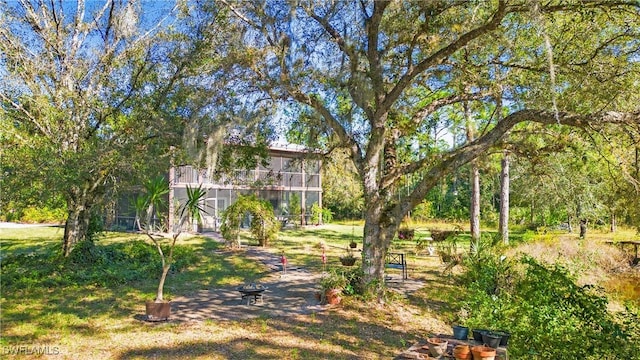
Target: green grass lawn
[(92, 310)]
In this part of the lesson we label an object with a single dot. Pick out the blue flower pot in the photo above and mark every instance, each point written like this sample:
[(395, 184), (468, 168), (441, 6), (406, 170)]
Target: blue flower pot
[(460, 332)]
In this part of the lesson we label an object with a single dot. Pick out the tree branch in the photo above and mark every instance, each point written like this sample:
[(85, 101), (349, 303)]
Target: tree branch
[(442, 54), (344, 137), (465, 154), (440, 103)]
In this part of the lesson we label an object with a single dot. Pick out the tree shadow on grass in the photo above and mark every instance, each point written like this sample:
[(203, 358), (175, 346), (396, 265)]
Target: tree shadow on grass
[(324, 234), (318, 336), (440, 294)]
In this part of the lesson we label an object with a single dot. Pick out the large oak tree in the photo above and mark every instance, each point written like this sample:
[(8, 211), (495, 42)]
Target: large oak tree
[(93, 94), (385, 77)]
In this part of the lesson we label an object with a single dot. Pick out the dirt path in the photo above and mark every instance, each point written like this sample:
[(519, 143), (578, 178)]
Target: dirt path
[(288, 294)]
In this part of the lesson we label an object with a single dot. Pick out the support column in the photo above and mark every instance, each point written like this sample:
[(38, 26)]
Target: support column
[(172, 182)]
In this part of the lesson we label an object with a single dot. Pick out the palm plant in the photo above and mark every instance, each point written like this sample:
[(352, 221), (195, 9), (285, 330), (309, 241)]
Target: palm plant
[(151, 201), (190, 210)]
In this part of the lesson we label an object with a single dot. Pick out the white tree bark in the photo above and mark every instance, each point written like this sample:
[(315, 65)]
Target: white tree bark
[(504, 199), (474, 209)]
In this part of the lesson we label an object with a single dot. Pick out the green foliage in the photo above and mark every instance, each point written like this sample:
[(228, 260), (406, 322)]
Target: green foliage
[(95, 228), (547, 313), (295, 210), (349, 280), (423, 211), (193, 208), (318, 213), (264, 224), (151, 201), (342, 191), (42, 215), (90, 264)]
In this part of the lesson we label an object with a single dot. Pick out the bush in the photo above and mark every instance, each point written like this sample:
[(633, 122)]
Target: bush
[(423, 211), (406, 233), (43, 215), (264, 224), (318, 213), (90, 264), (548, 315)]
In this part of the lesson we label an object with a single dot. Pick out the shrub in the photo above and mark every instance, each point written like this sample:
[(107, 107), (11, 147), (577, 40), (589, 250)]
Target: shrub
[(548, 314), (43, 215), (264, 224), (89, 264), (406, 234), (318, 213), (423, 211)]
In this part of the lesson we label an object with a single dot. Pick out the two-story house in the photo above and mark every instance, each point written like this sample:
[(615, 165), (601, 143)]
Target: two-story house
[(290, 177)]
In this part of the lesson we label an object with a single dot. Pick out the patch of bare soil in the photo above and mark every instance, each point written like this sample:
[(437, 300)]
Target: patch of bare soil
[(288, 293)]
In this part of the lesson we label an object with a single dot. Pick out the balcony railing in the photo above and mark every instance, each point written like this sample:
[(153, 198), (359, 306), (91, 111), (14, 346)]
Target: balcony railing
[(189, 175)]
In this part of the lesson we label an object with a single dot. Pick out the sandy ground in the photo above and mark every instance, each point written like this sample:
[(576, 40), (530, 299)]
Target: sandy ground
[(290, 294)]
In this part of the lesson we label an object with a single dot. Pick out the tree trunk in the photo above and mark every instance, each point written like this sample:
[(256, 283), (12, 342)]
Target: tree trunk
[(77, 223), (532, 216), (474, 219), (569, 219), (379, 229), (614, 225), (475, 203), (504, 199), (163, 277)]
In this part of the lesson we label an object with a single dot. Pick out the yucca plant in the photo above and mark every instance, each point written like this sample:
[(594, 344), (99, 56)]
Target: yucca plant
[(191, 210)]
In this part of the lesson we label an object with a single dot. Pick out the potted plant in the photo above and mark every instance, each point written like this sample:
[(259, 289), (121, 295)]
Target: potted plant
[(349, 259), (190, 210), (353, 244), (332, 286), (461, 332), (406, 233), (491, 339)]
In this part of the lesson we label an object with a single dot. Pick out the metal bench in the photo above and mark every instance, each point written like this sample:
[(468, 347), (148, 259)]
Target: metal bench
[(398, 261)]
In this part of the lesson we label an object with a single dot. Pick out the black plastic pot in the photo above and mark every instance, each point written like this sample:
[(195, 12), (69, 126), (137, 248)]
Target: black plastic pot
[(477, 334), (505, 337), (491, 339), (460, 332)]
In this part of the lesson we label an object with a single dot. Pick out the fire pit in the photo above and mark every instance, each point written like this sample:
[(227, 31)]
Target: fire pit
[(251, 290)]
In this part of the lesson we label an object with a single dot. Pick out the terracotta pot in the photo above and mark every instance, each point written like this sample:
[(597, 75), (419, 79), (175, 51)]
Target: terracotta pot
[(157, 311), (482, 352), (437, 346), (462, 352), (333, 296)]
